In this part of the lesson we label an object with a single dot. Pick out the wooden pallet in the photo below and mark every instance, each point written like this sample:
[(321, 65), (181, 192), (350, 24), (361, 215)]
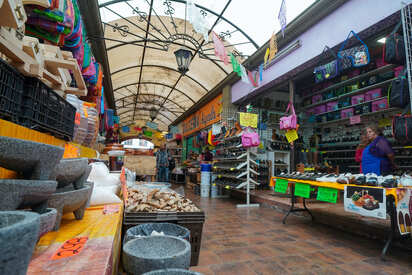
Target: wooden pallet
[(12, 14), (45, 62)]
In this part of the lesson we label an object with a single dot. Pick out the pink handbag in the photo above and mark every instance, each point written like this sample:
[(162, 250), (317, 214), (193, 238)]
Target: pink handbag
[(289, 122), (250, 138)]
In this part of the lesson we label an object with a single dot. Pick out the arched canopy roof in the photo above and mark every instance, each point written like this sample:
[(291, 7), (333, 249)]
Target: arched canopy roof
[(141, 38)]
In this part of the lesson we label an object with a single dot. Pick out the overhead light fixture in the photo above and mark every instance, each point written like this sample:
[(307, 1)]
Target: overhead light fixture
[(153, 113), (382, 40), (183, 58)]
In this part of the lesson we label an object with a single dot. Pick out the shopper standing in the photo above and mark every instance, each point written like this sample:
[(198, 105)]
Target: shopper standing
[(207, 155), (162, 164), (359, 150), (378, 156)]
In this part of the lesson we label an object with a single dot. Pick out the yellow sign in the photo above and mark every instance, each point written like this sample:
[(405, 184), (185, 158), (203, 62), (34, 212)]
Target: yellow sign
[(384, 122), (248, 119), (291, 135)]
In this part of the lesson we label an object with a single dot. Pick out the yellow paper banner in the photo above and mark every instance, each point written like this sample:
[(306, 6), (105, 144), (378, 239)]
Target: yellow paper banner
[(291, 135), (248, 119)]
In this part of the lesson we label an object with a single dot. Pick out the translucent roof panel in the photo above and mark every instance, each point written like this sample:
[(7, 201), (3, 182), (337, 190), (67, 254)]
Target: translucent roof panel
[(141, 37)]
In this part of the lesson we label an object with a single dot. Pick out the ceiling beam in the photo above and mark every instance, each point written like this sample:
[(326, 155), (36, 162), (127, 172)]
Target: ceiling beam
[(146, 109), (147, 102)]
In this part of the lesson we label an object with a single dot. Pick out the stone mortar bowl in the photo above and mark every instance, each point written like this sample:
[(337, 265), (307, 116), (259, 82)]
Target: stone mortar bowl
[(16, 193), (172, 271), (47, 221), (65, 201), (146, 229), (34, 160), (155, 252), (18, 236), (74, 170)]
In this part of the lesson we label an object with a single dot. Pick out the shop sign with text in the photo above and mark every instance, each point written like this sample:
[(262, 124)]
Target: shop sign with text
[(207, 115)]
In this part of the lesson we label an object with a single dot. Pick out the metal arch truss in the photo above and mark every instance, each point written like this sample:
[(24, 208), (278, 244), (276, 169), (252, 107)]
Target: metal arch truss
[(146, 109), (162, 36), (162, 67), (154, 83), (122, 100)]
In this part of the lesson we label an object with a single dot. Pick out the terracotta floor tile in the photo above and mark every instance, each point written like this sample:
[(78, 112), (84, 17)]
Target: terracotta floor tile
[(254, 241), (232, 269)]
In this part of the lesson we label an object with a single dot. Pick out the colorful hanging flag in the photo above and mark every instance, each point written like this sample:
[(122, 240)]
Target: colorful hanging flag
[(198, 21), (102, 102), (250, 75), (235, 65), (282, 17), (244, 76), (265, 60), (273, 47), (220, 50), (261, 72), (126, 129)]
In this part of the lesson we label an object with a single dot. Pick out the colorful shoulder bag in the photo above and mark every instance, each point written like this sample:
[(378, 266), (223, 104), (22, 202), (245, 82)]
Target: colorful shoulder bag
[(359, 55)]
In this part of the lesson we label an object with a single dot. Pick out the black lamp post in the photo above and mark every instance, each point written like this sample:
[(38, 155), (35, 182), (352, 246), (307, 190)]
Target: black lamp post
[(183, 58), (153, 113)]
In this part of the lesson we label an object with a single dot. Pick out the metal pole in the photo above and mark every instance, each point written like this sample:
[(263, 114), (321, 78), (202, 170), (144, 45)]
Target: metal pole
[(406, 26), (248, 178), (291, 99)]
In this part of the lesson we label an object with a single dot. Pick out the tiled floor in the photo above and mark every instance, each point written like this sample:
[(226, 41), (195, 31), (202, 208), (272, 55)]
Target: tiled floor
[(254, 241)]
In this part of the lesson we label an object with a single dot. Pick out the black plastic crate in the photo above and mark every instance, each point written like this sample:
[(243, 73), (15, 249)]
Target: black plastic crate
[(11, 92), (44, 110), (190, 220)]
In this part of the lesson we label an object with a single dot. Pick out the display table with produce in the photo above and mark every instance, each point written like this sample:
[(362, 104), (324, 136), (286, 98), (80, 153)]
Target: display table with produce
[(91, 245), (373, 201)]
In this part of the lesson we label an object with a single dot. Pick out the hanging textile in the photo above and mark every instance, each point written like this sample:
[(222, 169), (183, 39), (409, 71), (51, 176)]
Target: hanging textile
[(199, 22), (273, 47), (282, 17), (244, 75), (265, 60), (235, 65), (102, 102), (251, 79), (220, 50), (261, 72)]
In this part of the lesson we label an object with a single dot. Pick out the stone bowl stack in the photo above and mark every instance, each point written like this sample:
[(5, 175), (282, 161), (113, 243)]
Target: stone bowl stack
[(72, 194), (155, 252), (66, 201), (34, 162), (19, 232)]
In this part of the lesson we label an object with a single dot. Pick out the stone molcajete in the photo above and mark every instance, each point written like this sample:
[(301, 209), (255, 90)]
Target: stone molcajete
[(68, 171), (18, 236), (33, 160), (66, 201), (47, 221), (155, 252), (172, 271), (16, 193)]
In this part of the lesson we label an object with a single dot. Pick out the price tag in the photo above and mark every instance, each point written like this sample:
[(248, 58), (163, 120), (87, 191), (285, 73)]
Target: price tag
[(111, 209), (219, 176), (214, 167), (227, 187), (214, 184), (302, 190), (70, 248), (248, 119), (232, 169), (327, 195), (355, 119), (281, 186), (291, 135)]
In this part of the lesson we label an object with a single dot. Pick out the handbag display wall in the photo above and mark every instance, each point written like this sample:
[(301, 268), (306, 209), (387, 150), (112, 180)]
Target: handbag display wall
[(402, 129), (398, 92), (394, 48)]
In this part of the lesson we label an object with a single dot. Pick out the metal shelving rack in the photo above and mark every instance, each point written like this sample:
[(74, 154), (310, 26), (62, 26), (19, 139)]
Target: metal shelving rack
[(237, 168)]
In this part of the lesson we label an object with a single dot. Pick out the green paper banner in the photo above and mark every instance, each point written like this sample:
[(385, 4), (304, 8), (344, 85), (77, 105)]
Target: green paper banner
[(148, 133), (302, 190), (327, 195), (281, 186)]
